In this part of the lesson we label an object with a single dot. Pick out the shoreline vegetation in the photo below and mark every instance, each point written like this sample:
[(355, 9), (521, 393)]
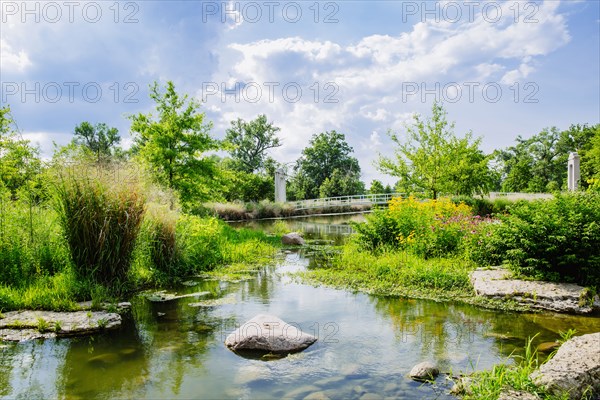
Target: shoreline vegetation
[(101, 234)]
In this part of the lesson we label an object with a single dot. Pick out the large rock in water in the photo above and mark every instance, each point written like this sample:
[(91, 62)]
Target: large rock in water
[(292, 238), (424, 371), (269, 333), (574, 369)]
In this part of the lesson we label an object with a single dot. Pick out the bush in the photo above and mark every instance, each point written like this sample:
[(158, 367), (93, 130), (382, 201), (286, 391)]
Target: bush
[(101, 217), (484, 207), (555, 239), (430, 228)]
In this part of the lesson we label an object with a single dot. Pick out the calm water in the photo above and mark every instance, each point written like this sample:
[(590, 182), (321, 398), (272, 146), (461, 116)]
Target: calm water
[(367, 345)]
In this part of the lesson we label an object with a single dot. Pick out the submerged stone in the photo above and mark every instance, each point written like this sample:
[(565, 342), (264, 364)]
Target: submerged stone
[(269, 334), (424, 371), (163, 296)]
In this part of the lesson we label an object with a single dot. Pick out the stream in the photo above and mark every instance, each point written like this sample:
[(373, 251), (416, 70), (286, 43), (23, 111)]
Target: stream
[(366, 344)]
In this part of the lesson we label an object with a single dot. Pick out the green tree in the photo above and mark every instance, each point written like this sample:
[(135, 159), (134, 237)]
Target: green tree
[(173, 143), (341, 184), (434, 160), (101, 140), (376, 187), (249, 142), (326, 152), (19, 161), (539, 164)]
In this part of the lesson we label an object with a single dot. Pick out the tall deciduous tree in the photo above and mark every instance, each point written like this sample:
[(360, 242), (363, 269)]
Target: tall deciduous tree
[(326, 153), (19, 161), (99, 139), (250, 141), (434, 160), (173, 141)]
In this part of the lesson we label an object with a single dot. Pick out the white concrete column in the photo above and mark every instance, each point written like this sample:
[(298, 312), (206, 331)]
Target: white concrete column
[(280, 185), (573, 172)]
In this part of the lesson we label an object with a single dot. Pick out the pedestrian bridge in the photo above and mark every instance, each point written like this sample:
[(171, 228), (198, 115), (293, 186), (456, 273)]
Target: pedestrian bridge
[(384, 198), (344, 201)]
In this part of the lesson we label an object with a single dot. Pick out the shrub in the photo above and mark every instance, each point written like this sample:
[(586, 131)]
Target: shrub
[(429, 228), (100, 214), (555, 239)]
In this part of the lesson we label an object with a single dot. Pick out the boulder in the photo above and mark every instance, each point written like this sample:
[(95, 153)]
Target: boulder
[(424, 371), (267, 333), (495, 283), (574, 369), (293, 238)]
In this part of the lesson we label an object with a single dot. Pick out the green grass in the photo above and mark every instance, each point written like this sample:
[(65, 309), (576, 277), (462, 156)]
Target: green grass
[(391, 272), (394, 273)]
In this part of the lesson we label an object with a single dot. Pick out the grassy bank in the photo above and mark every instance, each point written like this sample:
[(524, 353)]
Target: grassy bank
[(393, 272), (96, 236)]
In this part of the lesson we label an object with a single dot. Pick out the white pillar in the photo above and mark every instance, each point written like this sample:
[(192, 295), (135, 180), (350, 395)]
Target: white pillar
[(573, 172), (280, 185)]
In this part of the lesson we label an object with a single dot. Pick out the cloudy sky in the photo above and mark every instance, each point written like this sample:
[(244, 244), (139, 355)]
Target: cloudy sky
[(501, 69)]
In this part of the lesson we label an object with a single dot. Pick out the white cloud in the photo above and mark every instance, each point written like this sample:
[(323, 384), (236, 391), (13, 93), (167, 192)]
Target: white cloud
[(12, 60)]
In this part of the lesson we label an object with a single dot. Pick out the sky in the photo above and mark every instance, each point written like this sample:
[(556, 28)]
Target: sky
[(362, 68)]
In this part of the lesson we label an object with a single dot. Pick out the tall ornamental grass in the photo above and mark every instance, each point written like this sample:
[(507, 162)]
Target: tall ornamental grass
[(100, 210)]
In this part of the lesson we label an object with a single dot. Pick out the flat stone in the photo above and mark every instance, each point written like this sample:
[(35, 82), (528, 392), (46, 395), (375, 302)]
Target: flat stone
[(495, 283), (574, 368), (22, 325), (517, 395), (163, 296), (424, 371), (293, 238), (269, 333)]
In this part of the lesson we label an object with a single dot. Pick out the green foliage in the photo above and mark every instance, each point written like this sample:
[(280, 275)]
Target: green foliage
[(31, 244), (394, 272), (376, 187), (249, 142), (539, 164), (100, 216), (19, 161), (554, 239), (244, 186), (172, 144), (326, 153), (433, 159), (99, 139), (430, 228), (484, 207), (341, 184)]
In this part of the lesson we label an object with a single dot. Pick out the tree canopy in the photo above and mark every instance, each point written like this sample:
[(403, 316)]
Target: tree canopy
[(435, 160), (19, 161), (173, 141), (101, 140), (249, 142), (539, 164), (327, 153)]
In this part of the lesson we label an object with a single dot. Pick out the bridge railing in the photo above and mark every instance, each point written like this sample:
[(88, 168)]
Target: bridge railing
[(355, 200)]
